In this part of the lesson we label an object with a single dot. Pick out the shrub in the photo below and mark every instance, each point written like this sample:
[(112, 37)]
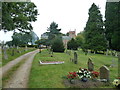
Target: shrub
[(57, 45)]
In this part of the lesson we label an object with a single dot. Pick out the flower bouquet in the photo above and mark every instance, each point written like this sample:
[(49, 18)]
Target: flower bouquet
[(84, 74), (94, 75), (116, 82), (71, 76)]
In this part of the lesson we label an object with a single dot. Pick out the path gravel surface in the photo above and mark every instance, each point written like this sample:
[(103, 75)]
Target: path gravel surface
[(21, 76)]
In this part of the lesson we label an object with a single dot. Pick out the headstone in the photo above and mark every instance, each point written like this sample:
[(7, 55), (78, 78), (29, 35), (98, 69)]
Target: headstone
[(107, 52), (113, 63), (89, 51), (94, 52), (119, 65), (104, 73), (90, 64), (25, 48), (5, 53), (12, 54), (75, 58), (116, 55), (17, 47)]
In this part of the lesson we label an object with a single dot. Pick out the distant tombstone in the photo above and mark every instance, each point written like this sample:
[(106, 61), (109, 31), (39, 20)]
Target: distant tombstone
[(89, 52), (119, 65), (25, 48), (94, 52), (116, 54), (90, 64), (17, 47), (51, 52), (113, 63), (75, 58), (5, 53), (107, 52), (104, 73)]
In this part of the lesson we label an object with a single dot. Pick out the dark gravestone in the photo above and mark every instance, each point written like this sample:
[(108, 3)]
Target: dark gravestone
[(90, 64), (104, 73), (75, 58)]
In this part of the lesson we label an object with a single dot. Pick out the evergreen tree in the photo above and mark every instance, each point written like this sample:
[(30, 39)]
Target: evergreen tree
[(53, 31), (94, 32), (112, 24)]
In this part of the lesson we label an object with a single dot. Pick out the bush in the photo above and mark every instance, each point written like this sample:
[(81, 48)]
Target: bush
[(57, 45), (72, 44)]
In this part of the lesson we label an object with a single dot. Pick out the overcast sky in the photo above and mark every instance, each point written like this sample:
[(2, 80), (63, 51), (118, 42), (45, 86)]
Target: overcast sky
[(68, 14)]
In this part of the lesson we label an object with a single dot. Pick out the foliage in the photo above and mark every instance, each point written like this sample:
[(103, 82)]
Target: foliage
[(112, 25), (57, 45), (72, 44), (18, 16), (94, 31)]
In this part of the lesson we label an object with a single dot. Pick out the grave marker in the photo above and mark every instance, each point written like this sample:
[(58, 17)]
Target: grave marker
[(75, 58), (90, 64), (5, 53), (104, 73)]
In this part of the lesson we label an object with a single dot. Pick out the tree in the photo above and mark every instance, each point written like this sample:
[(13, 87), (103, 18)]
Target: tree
[(80, 39), (94, 32), (18, 16), (53, 31), (72, 44), (57, 45), (112, 24)]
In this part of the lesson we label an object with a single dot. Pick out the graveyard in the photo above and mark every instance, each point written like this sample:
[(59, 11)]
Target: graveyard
[(54, 76)]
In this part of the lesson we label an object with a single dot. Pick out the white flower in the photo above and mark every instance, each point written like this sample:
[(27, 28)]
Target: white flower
[(116, 82)]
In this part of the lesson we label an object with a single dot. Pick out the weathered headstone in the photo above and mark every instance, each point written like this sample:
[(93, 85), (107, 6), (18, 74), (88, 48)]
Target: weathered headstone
[(119, 65), (107, 52), (75, 58), (5, 53), (113, 63), (26, 48), (90, 64), (104, 73)]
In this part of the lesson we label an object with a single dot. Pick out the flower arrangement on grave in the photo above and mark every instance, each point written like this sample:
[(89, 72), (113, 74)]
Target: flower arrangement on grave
[(84, 74), (72, 75), (95, 74), (116, 82)]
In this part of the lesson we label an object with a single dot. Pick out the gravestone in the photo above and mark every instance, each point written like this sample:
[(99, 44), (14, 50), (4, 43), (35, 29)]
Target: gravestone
[(75, 58), (107, 52), (119, 65), (116, 55), (12, 53), (90, 64), (25, 48), (5, 53), (104, 73), (113, 63)]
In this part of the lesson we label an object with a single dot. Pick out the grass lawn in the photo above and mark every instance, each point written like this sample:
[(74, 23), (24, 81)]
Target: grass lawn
[(51, 76), (9, 51)]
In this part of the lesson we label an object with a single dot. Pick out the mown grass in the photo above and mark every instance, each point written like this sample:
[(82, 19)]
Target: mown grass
[(16, 54), (51, 76)]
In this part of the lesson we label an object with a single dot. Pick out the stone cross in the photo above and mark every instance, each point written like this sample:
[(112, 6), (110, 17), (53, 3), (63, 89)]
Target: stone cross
[(90, 64), (119, 65), (104, 73), (75, 58)]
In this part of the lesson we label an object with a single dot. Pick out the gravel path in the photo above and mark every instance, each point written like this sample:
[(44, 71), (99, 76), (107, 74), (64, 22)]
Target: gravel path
[(21, 75)]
